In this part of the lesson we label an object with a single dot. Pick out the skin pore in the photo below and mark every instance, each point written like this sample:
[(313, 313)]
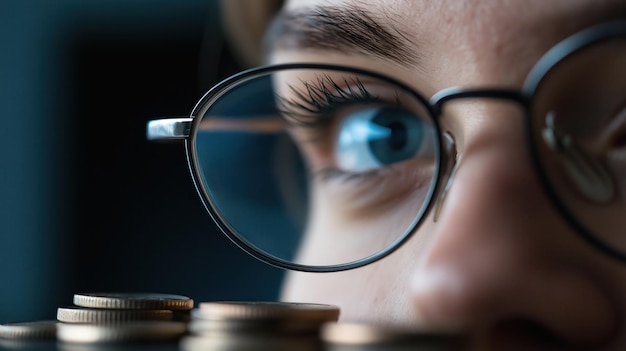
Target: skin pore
[(500, 262)]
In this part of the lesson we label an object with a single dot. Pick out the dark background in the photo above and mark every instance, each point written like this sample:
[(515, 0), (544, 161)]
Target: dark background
[(86, 203)]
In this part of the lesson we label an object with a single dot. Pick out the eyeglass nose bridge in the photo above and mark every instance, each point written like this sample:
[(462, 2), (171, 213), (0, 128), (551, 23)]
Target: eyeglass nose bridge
[(452, 158), (454, 93)]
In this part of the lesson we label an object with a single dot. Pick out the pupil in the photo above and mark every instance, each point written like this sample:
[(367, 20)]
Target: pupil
[(398, 138)]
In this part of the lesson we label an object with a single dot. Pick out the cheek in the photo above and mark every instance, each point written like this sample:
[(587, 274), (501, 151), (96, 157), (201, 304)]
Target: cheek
[(377, 293), (364, 295), (333, 238)]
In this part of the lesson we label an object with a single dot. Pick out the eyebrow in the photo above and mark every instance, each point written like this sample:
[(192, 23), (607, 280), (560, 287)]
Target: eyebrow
[(348, 29)]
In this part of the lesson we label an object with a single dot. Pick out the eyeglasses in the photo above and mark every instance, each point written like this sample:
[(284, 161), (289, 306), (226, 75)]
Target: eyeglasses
[(321, 168)]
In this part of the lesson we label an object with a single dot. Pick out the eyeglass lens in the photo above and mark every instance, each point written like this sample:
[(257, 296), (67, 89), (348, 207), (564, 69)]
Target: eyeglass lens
[(579, 123), (317, 167)]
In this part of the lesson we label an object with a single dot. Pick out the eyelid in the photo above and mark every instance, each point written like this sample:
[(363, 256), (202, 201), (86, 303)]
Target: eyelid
[(314, 109), (314, 101)]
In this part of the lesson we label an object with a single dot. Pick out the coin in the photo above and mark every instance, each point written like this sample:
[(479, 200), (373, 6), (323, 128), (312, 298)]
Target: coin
[(120, 301), (237, 317), (267, 342), (363, 337), (127, 332), (239, 327), (29, 330), (265, 310), (271, 326), (102, 316)]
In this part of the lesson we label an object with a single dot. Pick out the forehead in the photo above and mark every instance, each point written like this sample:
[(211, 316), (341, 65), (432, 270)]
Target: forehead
[(480, 15), (477, 41)]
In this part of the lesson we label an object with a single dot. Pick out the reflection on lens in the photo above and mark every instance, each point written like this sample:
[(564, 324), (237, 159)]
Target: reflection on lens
[(316, 167), (578, 118)]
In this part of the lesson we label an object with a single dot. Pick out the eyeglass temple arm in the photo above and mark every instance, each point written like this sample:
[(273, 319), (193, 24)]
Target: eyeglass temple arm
[(168, 129)]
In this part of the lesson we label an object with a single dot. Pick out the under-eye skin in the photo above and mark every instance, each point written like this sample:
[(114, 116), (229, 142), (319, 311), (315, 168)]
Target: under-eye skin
[(377, 191)]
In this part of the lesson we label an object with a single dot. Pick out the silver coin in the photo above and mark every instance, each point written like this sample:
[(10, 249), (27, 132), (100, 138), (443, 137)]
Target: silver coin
[(127, 332), (102, 316), (122, 301)]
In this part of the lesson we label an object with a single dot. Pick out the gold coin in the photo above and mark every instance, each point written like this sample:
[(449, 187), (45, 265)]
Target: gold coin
[(263, 310), (217, 327), (279, 319), (362, 337), (247, 342), (28, 330), (133, 301), (102, 316), (127, 332)]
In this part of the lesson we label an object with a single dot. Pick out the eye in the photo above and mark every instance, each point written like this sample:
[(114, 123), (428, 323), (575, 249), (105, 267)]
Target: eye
[(378, 136)]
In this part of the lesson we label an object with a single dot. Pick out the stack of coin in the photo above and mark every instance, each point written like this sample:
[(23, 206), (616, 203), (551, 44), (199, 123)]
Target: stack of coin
[(261, 326), (123, 317), (24, 334), (365, 337)]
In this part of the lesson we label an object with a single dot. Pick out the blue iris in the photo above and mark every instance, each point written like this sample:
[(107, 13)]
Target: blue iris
[(379, 136)]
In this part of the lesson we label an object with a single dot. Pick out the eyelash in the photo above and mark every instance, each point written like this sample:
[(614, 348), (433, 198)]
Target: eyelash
[(315, 103)]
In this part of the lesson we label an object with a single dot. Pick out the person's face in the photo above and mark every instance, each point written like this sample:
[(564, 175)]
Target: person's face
[(499, 261)]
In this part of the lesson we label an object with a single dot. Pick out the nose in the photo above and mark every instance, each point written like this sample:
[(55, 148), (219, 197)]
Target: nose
[(501, 263)]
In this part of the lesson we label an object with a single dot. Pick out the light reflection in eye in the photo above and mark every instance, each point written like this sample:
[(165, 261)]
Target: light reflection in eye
[(379, 136)]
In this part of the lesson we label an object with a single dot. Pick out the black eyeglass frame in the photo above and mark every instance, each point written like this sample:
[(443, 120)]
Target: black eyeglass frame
[(187, 128)]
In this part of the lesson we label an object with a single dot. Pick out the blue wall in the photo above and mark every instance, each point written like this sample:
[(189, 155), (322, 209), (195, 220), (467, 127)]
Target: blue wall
[(85, 202)]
